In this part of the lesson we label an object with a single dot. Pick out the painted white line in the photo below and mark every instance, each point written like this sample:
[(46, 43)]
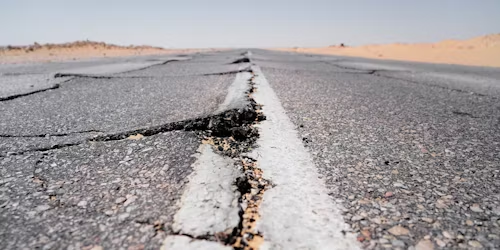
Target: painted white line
[(236, 96), (186, 243), (297, 212), (209, 204), (210, 201)]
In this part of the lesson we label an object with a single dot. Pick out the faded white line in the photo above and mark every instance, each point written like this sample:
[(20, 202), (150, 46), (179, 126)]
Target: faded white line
[(296, 213), (236, 96), (210, 201), (209, 204)]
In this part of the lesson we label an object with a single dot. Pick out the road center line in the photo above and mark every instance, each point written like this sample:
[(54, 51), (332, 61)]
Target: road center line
[(297, 212), (209, 204)]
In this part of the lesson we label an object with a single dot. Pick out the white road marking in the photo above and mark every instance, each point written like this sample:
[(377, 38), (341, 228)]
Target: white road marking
[(297, 212), (236, 96), (179, 242), (210, 201)]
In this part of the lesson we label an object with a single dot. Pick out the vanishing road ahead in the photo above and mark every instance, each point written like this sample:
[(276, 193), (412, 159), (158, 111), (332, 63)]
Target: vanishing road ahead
[(249, 149)]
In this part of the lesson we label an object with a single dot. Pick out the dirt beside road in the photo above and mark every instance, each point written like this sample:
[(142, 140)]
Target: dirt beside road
[(479, 51), (79, 50)]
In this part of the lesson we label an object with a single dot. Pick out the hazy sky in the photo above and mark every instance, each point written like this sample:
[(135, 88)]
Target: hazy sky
[(237, 23)]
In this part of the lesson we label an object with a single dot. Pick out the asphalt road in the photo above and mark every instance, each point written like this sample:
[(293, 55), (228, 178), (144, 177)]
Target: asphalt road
[(388, 154)]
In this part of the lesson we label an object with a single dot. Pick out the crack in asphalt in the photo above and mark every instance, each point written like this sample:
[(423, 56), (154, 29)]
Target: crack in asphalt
[(432, 85), (233, 123), (460, 113), (251, 185), (12, 97), (232, 72), (361, 71), (232, 133), (50, 134), (57, 75), (229, 72), (376, 72), (75, 75), (241, 60), (154, 65), (20, 74)]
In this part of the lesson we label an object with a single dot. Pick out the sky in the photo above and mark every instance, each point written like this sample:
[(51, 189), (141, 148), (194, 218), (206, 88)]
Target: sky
[(257, 23)]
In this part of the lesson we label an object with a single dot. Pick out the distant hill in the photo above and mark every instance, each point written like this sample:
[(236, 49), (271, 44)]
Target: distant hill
[(74, 45), (478, 51)]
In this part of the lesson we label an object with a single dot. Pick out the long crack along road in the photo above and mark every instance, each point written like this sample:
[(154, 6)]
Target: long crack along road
[(249, 150)]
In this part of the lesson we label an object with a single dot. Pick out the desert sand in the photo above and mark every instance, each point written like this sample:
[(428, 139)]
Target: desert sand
[(479, 51), (78, 50)]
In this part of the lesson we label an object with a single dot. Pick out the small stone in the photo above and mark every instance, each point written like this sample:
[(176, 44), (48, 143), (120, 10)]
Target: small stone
[(424, 245), (130, 209), (475, 244), (496, 210), (82, 204), (428, 220), (399, 230), (398, 243), (136, 137), (367, 234), (493, 236), (123, 216), (476, 208), (376, 220), (108, 212), (351, 197), (440, 243), (42, 208), (383, 241), (441, 204), (469, 223), (360, 238), (120, 200), (356, 218), (388, 194), (427, 237), (130, 199), (97, 248), (448, 235)]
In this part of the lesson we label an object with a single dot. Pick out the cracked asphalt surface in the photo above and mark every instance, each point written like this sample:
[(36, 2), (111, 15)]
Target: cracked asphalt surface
[(411, 150), (414, 160), (58, 190)]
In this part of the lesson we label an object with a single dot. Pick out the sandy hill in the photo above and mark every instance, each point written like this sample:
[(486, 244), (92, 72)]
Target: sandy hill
[(478, 51), (76, 50)]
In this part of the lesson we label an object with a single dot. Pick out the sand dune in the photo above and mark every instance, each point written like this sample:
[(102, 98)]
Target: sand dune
[(78, 50), (479, 51)]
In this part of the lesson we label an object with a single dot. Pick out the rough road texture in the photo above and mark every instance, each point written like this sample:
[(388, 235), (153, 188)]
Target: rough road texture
[(70, 178), (415, 162), (410, 150)]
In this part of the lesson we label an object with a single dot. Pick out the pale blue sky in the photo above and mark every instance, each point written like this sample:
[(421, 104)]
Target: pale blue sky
[(237, 23)]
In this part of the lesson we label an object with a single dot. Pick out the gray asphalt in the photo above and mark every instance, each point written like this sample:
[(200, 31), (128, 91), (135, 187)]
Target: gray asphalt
[(408, 144), (398, 144), (59, 189)]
